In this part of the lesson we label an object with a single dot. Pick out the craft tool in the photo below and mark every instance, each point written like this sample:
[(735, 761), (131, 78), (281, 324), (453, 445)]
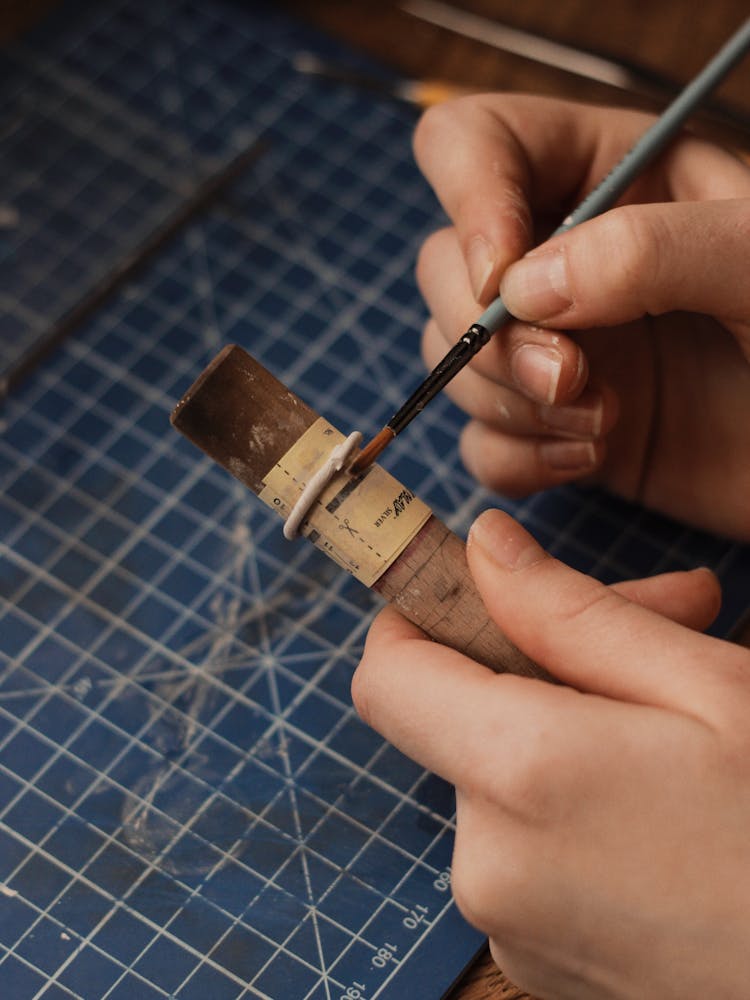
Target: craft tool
[(599, 200), (420, 93), (248, 421)]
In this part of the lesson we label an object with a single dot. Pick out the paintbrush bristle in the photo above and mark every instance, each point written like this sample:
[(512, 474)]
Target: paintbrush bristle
[(371, 451)]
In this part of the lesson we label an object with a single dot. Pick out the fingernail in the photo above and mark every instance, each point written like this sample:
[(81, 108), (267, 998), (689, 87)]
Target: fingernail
[(586, 421), (568, 456), (503, 541), (536, 287), (537, 370), (480, 258)]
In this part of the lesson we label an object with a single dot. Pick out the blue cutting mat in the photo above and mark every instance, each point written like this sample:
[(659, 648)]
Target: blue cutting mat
[(86, 177), (189, 806)]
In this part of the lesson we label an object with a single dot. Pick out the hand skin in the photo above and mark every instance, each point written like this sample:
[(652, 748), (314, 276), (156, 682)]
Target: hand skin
[(602, 826), (635, 372)]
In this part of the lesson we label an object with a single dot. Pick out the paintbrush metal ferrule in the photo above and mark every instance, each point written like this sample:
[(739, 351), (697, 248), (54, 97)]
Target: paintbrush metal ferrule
[(370, 452)]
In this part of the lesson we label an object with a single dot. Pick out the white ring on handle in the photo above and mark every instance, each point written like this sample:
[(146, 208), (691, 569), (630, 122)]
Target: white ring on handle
[(318, 482)]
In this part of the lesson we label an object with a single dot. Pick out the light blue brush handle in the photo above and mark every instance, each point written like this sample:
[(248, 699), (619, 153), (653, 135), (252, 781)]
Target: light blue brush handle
[(645, 150)]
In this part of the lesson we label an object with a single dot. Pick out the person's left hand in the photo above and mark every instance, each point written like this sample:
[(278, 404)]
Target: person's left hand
[(602, 826)]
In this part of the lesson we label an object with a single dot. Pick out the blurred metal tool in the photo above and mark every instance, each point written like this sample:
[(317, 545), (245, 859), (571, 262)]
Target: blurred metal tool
[(421, 93), (625, 75)]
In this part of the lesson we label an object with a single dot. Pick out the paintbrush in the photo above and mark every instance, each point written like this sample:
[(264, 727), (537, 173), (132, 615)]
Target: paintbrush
[(599, 200), (420, 93)]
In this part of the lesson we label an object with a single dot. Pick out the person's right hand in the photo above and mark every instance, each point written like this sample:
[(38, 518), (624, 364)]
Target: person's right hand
[(648, 393)]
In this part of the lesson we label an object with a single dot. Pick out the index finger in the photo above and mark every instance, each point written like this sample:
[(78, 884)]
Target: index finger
[(479, 172), (492, 159)]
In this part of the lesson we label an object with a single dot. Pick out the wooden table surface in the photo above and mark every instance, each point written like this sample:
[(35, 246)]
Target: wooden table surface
[(672, 36)]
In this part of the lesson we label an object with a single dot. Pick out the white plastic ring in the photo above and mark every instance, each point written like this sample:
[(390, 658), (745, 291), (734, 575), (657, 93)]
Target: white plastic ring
[(318, 482)]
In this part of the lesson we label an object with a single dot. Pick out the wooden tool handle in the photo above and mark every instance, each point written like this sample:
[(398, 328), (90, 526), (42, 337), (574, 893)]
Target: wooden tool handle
[(247, 420)]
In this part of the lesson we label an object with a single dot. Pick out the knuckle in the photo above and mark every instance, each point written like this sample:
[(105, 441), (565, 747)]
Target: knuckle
[(462, 887), (530, 784), (487, 890), (469, 885), (525, 786)]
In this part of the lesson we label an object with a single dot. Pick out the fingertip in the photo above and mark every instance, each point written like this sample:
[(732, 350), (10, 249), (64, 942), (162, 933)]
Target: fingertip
[(592, 415), (710, 587), (499, 538), (481, 262), (516, 467), (387, 631), (504, 237), (550, 369), (574, 371), (493, 519), (537, 287), (360, 688), (565, 456), (537, 369)]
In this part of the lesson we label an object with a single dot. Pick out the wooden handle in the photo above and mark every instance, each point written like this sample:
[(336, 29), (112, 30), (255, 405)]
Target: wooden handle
[(247, 420)]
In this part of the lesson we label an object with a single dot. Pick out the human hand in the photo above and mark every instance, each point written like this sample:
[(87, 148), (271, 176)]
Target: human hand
[(602, 827), (649, 392)]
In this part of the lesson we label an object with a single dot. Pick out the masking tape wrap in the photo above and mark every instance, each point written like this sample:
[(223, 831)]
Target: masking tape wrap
[(362, 524)]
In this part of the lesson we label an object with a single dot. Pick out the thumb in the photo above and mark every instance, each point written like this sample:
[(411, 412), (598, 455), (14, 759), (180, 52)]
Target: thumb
[(587, 634), (638, 259)]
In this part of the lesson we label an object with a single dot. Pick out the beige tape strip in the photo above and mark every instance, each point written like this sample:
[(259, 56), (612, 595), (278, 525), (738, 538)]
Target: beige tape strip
[(364, 528)]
